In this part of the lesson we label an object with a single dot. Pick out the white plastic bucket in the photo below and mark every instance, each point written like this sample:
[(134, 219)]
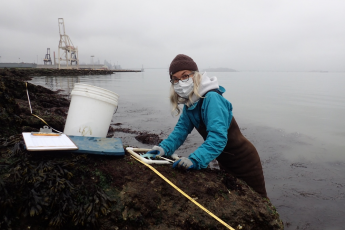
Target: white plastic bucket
[(90, 111)]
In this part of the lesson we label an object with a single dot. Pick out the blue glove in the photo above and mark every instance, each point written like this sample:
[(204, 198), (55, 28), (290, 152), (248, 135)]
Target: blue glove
[(155, 151), (183, 163)]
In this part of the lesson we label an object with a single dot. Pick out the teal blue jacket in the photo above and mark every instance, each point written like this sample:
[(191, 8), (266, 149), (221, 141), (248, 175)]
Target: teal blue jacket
[(216, 113)]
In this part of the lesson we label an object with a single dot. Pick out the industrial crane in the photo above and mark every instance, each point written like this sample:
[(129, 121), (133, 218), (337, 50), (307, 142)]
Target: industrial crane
[(47, 60), (69, 52)]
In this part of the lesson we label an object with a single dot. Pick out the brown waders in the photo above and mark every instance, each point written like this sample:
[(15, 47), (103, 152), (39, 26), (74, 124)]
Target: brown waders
[(240, 158)]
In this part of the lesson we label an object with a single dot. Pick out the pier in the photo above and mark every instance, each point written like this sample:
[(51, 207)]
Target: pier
[(82, 68), (126, 70)]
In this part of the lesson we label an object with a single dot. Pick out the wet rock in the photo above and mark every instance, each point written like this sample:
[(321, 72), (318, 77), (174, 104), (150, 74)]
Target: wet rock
[(148, 138), (98, 192)]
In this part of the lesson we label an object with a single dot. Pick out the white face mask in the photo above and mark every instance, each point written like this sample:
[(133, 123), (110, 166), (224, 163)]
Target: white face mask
[(183, 89)]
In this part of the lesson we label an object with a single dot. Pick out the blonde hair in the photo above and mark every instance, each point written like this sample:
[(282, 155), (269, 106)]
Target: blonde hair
[(175, 99)]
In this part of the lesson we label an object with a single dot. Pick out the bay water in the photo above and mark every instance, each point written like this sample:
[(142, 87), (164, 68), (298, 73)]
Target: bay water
[(294, 119)]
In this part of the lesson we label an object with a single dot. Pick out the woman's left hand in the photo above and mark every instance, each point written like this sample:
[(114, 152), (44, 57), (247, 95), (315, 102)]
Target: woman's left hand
[(183, 163)]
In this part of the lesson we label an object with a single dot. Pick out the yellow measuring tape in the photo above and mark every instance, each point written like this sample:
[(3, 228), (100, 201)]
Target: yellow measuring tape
[(27, 93), (189, 198)]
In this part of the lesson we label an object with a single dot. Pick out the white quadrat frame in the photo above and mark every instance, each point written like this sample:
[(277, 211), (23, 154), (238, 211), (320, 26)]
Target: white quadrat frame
[(133, 152)]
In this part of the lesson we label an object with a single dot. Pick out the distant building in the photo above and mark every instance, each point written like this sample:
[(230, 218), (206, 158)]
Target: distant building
[(108, 64)]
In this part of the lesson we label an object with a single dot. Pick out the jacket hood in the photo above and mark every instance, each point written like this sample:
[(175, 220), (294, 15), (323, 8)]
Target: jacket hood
[(206, 84)]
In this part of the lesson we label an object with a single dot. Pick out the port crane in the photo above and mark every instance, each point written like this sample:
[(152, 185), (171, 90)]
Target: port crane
[(69, 53), (47, 60)]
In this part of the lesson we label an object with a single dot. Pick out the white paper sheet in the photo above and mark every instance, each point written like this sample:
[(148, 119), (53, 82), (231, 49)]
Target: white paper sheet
[(46, 143)]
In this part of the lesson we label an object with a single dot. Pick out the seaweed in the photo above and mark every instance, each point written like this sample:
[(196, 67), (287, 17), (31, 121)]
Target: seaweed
[(45, 189)]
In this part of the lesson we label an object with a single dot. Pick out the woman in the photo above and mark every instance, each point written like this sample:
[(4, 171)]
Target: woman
[(211, 114)]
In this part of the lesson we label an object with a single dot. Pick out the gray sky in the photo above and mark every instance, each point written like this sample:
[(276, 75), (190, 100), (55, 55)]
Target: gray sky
[(272, 35)]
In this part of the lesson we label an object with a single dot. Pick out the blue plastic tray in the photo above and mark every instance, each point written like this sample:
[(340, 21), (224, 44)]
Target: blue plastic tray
[(99, 145)]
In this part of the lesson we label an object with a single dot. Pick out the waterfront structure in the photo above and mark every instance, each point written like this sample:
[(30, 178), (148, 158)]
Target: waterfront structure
[(80, 66), (18, 65)]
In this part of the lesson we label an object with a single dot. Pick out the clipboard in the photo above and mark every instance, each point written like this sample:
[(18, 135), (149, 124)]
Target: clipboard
[(48, 143)]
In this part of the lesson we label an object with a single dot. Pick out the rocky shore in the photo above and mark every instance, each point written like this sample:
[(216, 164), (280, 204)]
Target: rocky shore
[(53, 72), (64, 190)]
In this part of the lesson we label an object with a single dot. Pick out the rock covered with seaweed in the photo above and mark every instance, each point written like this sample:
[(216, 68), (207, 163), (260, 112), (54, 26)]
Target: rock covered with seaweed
[(68, 191), (15, 114)]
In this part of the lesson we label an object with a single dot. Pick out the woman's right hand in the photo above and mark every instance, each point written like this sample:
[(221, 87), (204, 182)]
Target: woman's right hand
[(157, 151)]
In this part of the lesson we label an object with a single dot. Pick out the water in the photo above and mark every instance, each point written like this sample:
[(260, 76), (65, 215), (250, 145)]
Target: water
[(295, 120)]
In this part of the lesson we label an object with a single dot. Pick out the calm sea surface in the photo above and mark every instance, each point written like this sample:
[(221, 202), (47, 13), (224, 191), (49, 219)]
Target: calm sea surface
[(295, 120)]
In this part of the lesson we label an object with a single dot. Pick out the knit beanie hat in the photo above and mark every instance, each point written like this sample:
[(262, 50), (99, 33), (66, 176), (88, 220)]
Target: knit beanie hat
[(182, 62)]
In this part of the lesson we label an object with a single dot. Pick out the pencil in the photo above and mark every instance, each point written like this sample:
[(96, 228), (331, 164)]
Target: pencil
[(45, 134)]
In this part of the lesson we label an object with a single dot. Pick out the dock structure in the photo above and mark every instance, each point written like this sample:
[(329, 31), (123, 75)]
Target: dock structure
[(81, 66), (88, 66), (70, 67), (18, 65), (126, 70)]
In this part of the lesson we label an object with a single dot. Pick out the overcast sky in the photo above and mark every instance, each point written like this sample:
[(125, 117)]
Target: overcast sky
[(252, 35)]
